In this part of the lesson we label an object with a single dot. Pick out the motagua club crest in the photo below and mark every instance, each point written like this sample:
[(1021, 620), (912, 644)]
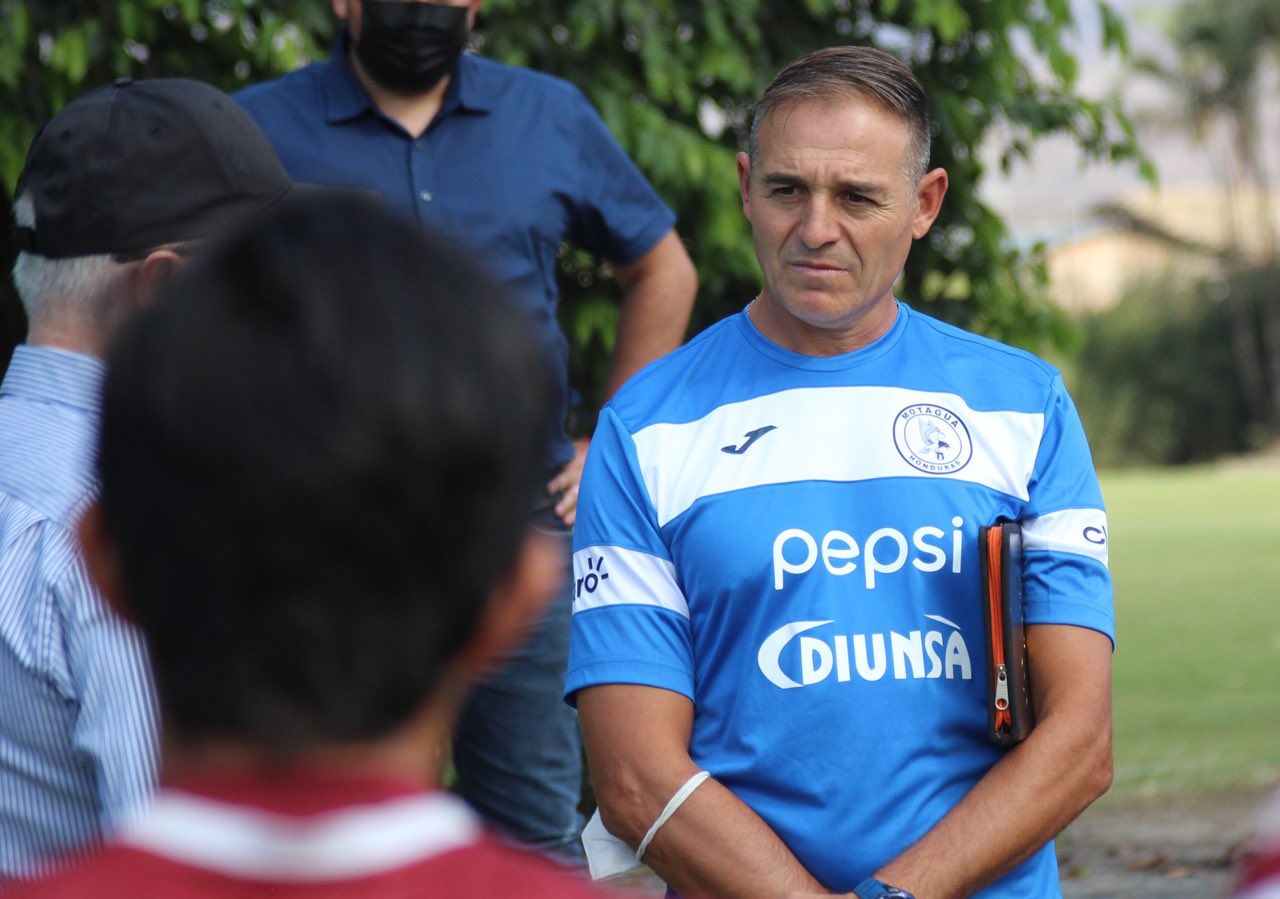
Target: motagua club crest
[(932, 439)]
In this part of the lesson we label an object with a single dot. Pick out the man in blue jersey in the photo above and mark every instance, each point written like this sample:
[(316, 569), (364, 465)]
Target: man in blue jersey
[(777, 644), (508, 164), (117, 187)]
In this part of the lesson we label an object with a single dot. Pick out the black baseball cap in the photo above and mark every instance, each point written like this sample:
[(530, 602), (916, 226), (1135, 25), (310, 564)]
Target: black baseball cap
[(139, 164)]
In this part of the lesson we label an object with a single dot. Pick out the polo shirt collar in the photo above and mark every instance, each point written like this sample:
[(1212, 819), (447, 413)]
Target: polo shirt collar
[(365, 830), (345, 98), (471, 88)]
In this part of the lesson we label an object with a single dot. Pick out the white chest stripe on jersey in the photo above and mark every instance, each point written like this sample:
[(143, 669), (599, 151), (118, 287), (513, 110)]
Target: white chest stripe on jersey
[(835, 434), (610, 576), (1079, 531)]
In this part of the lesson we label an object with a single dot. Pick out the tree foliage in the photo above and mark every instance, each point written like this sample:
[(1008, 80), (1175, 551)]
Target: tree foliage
[(1218, 78), (662, 71), (674, 80), (1156, 380), (51, 51)]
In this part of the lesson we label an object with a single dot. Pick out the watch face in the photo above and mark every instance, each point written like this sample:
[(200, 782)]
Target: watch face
[(895, 893)]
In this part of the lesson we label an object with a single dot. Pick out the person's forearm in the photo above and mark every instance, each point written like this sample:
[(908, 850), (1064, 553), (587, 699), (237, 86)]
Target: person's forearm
[(1021, 804), (716, 846), (1038, 788), (658, 294), (637, 741)]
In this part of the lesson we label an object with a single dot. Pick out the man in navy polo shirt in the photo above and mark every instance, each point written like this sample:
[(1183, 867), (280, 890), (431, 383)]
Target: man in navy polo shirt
[(509, 163)]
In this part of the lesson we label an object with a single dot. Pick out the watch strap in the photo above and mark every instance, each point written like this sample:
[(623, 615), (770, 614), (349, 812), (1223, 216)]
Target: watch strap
[(878, 889)]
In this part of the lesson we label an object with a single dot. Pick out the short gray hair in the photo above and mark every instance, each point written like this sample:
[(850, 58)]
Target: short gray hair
[(70, 290), (844, 73)]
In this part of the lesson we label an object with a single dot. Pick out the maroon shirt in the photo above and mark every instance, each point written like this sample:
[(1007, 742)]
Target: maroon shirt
[(289, 835)]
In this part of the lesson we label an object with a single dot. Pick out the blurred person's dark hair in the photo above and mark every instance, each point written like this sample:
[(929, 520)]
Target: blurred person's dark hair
[(317, 452)]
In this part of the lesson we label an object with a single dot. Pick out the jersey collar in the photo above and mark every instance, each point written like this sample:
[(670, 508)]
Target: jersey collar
[(862, 356)]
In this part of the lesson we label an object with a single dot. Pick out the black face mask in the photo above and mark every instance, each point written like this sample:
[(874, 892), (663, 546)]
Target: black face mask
[(409, 47)]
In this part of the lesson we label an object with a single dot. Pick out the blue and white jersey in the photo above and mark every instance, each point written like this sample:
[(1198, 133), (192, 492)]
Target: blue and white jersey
[(791, 542)]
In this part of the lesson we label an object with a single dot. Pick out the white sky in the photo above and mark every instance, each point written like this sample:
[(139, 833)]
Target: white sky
[(1053, 192)]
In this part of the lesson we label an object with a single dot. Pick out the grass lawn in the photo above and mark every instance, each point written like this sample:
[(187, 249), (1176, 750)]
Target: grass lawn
[(1195, 553)]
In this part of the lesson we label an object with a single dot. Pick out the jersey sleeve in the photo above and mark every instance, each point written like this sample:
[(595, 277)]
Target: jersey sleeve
[(630, 618), (618, 215), (1066, 577)]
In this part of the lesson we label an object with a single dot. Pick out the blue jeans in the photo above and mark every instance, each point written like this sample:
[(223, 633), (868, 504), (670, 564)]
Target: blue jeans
[(516, 748)]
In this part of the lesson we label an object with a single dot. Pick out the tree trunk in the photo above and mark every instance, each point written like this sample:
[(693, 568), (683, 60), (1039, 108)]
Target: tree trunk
[(1269, 310), (1268, 306), (1244, 343)]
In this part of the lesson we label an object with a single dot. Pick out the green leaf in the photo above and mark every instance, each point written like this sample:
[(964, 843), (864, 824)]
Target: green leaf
[(946, 17), (1064, 64), (1147, 169), (13, 41), (1115, 36), (127, 18), (70, 54)]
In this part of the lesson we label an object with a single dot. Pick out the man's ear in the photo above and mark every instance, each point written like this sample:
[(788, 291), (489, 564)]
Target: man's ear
[(744, 182), (536, 577), (151, 272), (929, 194), (102, 559), (348, 14)]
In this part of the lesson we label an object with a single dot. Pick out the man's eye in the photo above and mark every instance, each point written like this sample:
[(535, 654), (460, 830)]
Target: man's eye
[(785, 191)]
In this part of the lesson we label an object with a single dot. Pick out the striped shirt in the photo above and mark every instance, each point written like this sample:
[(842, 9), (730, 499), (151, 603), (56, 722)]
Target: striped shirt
[(77, 708)]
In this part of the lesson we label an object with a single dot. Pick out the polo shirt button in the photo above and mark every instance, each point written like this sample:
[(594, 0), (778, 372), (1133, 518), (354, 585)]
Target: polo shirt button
[(426, 196), (417, 145)]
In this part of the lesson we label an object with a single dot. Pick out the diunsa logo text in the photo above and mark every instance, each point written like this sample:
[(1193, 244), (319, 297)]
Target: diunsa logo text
[(800, 655)]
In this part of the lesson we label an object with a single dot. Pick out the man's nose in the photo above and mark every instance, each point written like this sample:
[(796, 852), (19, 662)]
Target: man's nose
[(819, 226)]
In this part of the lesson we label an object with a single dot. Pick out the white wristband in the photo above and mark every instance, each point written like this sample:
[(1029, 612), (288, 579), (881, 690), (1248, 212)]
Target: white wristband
[(674, 803)]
